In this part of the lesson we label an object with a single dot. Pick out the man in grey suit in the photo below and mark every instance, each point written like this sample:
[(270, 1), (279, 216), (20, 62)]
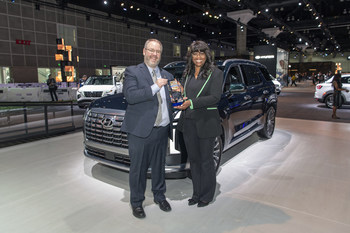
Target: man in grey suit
[(148, 121)]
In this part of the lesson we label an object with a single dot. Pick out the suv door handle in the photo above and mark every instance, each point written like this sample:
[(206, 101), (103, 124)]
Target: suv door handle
[(265, 92), (247, 97)]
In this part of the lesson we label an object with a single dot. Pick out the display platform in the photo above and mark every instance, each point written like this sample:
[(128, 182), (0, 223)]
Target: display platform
[(298, 181)]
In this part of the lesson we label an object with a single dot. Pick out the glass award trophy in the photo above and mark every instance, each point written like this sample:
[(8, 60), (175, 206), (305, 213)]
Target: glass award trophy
[(175, 91)]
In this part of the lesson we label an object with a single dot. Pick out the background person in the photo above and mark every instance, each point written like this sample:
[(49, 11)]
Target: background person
[(200, 121), (82, 81), (148, 123), (51, 82), (337, 85), (294, 79)]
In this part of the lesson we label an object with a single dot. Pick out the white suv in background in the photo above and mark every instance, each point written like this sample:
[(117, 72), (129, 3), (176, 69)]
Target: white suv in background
[(278, 85), (96, 87), (324, 91)]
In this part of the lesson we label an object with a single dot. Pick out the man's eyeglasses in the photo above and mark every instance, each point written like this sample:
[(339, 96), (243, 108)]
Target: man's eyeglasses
[(154, 51), (196, 54)]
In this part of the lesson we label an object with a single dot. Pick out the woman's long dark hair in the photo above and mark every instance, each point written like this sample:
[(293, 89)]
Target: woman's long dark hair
[(337, 78), (199, 46)]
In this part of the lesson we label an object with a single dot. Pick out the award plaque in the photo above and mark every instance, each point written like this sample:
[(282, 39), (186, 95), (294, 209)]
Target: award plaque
[(175, 93)]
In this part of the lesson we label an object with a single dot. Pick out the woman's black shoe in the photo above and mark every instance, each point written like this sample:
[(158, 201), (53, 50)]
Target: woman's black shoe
[(202, 204), (192, 202)]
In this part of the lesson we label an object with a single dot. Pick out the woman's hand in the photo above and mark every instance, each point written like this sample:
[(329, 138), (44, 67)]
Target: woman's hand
[(184, 105)]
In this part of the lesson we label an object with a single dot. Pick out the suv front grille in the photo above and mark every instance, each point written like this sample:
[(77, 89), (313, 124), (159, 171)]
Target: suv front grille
[(93, 93), (105, 128)]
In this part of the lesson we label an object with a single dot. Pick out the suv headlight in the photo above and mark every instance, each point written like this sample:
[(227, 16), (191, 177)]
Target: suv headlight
[(80, 93), (109, 92)]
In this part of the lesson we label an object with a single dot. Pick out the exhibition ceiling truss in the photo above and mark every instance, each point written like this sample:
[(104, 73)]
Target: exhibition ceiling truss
[(321, 25)]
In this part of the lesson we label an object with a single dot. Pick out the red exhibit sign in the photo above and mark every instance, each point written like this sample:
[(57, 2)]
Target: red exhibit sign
[(24, 42)]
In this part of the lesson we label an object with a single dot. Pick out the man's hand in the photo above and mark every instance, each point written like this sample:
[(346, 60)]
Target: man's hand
[(161, 82)]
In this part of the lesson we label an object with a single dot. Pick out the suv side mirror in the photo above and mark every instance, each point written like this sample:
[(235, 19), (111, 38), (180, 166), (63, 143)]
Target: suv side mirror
[(237, 87)]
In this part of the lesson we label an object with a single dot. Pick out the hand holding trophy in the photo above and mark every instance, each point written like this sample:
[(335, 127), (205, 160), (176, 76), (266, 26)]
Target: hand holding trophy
[(175, 91)]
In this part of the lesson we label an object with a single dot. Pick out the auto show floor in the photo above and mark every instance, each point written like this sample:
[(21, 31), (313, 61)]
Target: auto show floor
[(298, 181)]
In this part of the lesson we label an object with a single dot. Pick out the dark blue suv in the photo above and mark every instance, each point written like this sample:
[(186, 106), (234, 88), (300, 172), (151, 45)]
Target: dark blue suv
[(248, 104)]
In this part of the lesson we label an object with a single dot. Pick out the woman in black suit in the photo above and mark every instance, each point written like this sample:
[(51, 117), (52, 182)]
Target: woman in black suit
[(200, 121)]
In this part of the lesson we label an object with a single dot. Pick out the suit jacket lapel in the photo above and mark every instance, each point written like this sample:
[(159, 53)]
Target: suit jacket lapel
[(145, 72)]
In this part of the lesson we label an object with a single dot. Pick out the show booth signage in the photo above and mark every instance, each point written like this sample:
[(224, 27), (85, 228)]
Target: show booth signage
[(275, 59)]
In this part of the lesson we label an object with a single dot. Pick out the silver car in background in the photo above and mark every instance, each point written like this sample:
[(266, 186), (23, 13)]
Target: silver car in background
[(324, 91)]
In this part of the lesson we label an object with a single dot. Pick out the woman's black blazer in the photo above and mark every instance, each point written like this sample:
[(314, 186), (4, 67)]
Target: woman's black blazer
[(204, 111)]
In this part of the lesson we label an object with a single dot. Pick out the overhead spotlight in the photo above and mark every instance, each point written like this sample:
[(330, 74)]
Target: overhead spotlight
[(105, 2), (299, 3), (151, 31), (300, 40), (267, 10), (316, 17)]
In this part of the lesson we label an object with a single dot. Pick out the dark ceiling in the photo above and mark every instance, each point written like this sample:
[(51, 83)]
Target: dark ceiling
[(323, 25)]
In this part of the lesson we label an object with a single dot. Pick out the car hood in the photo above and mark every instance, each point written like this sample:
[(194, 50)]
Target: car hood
[(96, 88), (117, 102)]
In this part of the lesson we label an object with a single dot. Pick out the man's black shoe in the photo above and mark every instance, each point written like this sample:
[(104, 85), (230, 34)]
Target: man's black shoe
[(192, 202), (164, 205), (138, 212)]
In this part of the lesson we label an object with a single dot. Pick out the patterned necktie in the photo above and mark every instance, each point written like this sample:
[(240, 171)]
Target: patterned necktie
[(159, 114)]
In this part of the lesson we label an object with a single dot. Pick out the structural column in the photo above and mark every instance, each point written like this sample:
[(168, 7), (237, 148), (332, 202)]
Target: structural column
[(241, 44)]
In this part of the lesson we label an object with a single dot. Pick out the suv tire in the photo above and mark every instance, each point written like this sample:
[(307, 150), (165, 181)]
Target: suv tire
[(269, 124)]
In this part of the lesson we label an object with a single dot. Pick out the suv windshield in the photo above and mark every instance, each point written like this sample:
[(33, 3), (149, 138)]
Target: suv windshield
[(99, 81)]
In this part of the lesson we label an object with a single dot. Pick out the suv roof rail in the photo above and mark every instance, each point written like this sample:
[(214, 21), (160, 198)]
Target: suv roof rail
[(240, 60)]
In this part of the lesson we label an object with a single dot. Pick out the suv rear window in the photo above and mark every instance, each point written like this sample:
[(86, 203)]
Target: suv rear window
[(266, 74), (251, 75)]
